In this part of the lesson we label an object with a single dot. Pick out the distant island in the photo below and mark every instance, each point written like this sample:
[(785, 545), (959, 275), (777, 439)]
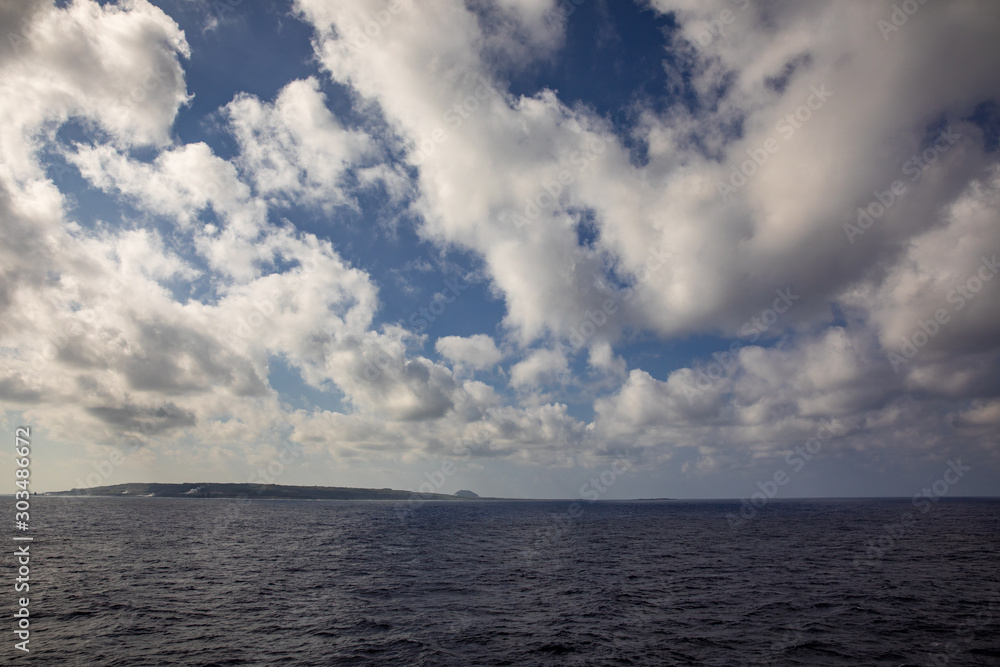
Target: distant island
[(272, 491)]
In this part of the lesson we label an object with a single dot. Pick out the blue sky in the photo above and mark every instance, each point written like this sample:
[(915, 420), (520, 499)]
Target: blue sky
[(347, 243)]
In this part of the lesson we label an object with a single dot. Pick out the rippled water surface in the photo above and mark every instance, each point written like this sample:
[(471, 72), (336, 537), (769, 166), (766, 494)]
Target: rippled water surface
[(148, 581)]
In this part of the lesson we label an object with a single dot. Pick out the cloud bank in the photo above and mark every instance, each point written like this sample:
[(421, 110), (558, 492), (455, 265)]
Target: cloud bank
[(812, 205)]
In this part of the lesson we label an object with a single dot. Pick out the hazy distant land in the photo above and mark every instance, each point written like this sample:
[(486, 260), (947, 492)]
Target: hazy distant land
[(214, 490)]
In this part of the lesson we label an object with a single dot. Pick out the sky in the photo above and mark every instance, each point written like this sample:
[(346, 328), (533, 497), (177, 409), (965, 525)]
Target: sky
[(540, 249)]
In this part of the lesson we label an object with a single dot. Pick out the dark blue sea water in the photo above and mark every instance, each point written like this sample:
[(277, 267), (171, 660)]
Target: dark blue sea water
[(147, 581)]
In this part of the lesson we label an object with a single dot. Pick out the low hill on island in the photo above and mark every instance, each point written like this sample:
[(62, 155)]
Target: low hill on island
[(213, 490)]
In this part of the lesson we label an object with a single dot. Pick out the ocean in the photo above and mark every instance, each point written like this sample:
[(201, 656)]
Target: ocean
[(159, 581)]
